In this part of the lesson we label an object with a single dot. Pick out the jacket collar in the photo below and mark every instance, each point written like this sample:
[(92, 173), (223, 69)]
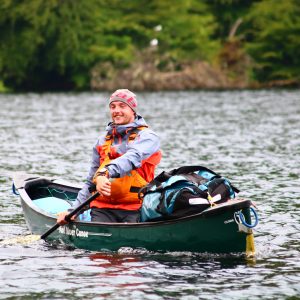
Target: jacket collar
[(123, 129)]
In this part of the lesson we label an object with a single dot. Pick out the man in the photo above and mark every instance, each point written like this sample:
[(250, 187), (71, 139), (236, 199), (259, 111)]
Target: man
[(124, 160)]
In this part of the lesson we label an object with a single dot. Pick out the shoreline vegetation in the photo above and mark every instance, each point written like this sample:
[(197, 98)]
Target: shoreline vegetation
[(145, 75), (152, 45), (197, 75)]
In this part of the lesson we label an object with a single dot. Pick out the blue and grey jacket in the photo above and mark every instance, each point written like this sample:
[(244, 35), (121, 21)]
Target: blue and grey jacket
[(143, 146)]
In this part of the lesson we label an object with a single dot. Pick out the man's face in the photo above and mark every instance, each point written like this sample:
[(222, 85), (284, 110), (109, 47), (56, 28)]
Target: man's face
[(121, 113)]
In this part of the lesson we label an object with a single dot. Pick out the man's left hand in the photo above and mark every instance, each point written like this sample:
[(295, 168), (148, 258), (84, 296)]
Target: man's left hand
[(103, 185)]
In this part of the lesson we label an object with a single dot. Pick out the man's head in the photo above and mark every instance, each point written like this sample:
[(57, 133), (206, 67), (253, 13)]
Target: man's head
[(122, 105), (125, 96)]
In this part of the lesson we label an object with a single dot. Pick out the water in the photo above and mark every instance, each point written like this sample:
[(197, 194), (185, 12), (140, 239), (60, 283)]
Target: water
[(251, 137)]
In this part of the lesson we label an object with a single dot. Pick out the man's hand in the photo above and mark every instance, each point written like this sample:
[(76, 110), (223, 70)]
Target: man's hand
[(61, 218), (103, 185)]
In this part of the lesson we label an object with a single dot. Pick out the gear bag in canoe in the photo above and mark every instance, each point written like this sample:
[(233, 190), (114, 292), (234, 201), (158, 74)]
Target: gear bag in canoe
[(182, 192)]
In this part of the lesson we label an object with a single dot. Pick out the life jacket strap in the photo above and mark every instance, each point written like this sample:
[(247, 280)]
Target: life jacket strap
[(134, 189)]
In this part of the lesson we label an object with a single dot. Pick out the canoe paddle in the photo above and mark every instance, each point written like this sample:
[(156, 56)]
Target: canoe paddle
[(33, 237), (71, 214)]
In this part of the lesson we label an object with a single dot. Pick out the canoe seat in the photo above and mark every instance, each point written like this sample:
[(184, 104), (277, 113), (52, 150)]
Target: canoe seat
[(55, 205)]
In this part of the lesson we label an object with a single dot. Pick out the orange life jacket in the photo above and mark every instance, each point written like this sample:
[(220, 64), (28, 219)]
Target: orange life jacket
[(124, 190)]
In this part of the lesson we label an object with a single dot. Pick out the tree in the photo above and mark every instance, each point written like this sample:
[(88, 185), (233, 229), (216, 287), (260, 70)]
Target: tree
[(54, 44), (182, 29), (227, 13), (273, 39), (50, 44)]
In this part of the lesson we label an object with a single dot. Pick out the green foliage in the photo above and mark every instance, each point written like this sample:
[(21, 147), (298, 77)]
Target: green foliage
[(226, 13), (187, 28), (55, 44), (273, 39), (182, 28), (46, 42), (3, 88)]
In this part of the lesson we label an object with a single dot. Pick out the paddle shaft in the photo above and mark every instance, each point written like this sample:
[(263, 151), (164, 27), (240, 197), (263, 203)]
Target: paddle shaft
[(71, 214)]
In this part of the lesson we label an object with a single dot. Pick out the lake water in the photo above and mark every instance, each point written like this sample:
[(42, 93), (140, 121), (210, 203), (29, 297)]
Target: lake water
[(251, 137)]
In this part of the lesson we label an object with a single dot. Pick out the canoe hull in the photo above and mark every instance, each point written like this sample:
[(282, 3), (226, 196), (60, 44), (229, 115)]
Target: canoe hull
[(214, 231)]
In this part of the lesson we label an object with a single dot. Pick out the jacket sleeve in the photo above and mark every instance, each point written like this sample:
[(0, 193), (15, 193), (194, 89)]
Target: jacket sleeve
[(84, 193), (144, 145)]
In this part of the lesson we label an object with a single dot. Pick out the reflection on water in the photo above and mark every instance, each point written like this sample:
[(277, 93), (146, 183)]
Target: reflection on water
[(252, 138)]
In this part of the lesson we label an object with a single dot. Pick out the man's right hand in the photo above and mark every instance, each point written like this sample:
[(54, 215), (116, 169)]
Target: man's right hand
[(103, 185), (61, 218)]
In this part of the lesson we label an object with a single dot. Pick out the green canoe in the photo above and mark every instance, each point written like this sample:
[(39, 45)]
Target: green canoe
[(218, 229)]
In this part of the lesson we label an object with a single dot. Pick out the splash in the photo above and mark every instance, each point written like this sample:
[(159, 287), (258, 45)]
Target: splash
[(21, 240)]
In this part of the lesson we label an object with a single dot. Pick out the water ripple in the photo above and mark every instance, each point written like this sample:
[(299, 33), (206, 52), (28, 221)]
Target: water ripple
[(251, 137)]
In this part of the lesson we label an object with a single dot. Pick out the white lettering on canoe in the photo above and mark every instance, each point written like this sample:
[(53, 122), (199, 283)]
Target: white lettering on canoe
[(229, 221), (73, 232), (81, 233), (100, 234)]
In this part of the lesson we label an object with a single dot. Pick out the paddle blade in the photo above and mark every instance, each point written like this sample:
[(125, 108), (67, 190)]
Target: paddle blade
[(27, 239)]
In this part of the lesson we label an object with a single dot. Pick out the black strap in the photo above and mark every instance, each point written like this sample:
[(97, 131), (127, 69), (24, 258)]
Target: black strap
[(134, 189), (185, 171), (190, 169)]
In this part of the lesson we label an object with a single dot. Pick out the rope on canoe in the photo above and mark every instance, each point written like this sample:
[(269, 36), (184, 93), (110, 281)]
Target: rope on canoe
[(14, 190), (52, 191), (240, 218)]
